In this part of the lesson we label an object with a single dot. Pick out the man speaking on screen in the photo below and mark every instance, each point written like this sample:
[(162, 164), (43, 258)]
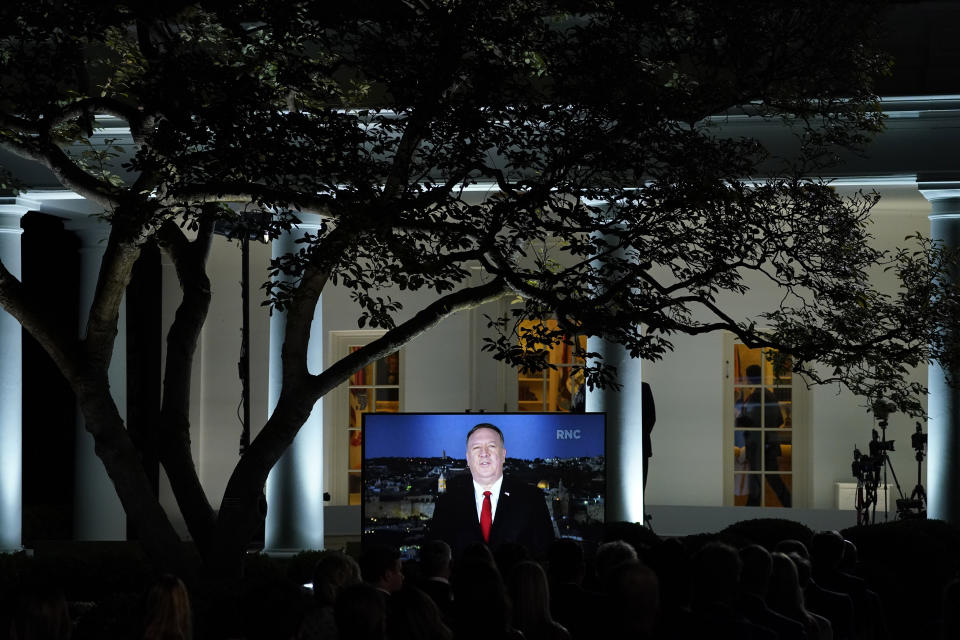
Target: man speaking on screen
[(493, 509)]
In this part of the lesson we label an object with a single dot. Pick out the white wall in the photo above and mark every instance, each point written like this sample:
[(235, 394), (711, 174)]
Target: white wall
[(436, 366), (220, 428), (687, 440), (687, 465), (840, 421)]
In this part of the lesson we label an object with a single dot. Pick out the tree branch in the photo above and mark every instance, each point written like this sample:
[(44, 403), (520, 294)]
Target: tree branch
[(121, 459), (247, 192), (18, 124), (115, 271), (66, 172), (403, 333), (300, 392), (137, 121), (189, 259), (61, 348), (102, 419)]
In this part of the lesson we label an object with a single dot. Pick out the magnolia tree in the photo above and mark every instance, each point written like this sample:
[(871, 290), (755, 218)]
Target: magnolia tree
[(617, 204)]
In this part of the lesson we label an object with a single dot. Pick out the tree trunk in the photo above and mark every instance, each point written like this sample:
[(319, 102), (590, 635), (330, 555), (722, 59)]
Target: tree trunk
[(189, 259), (120, 458), (86, 368), (244, 506)]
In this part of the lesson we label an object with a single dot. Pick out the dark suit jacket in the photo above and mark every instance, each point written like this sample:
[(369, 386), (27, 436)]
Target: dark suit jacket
[(648, 417), (576, 609), (835, 607), (521, 517), (442, 594)]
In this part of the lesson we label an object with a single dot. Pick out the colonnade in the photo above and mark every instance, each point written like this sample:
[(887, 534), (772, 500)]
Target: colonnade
[(295, 486)]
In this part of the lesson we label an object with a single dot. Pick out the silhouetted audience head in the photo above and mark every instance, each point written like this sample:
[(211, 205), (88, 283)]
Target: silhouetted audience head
[(333, 571), (168, 611), (381, 567), (508, 555), (435, 558), (634, 593), (479, 552), (609, 555), (479, 581), (414, 616), (826, 550), (671, 562), (803, 568), (272, 607), (565, 561), (361, 613), (42, 614), (530, 598), (756, 566), (716, 575), (784, 594), (850, 557)]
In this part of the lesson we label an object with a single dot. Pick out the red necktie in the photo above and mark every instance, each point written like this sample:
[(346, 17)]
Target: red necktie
[(486, 516)]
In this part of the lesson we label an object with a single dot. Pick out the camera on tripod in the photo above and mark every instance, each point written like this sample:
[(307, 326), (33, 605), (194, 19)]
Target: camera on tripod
[(918, 440), (867, 469), (882, 410), (878, 446), (863, 467)]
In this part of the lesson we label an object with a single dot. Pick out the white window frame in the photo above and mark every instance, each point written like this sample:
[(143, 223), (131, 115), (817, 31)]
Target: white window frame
[(801, 489), (336, 437)]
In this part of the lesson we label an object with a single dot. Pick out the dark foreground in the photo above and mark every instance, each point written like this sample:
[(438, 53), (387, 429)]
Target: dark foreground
[(678, 586)]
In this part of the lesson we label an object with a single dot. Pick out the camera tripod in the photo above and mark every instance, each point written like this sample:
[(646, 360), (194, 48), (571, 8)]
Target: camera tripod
[(867, 470), (916, 505)]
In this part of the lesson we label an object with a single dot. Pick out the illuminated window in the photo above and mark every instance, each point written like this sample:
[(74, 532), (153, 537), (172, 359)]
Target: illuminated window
[(375, 388), (762, 433), (550, 389)]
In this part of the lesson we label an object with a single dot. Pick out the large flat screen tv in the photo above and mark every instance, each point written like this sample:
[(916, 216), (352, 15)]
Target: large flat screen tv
[(410, 458)]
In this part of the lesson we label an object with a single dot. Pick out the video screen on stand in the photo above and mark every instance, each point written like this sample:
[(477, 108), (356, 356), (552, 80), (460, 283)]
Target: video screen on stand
[(409, 459)]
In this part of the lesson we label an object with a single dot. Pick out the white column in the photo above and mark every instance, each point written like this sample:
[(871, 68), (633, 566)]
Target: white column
[(97, 512), (295, 484), (624, 432), (943, 401), (11, 386), (624, 442)]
